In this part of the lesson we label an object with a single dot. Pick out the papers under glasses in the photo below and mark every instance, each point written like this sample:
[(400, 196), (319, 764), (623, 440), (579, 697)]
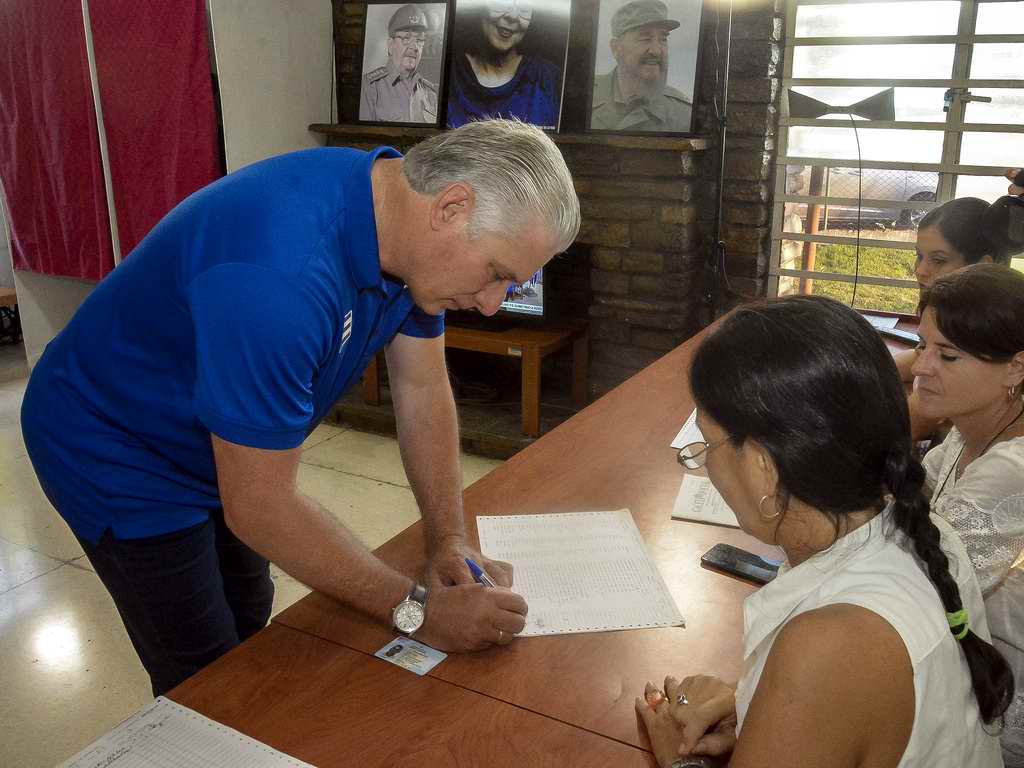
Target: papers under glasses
[(690, 432)]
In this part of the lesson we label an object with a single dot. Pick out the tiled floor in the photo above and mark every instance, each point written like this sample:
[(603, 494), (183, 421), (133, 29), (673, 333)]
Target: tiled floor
[(67, 670)]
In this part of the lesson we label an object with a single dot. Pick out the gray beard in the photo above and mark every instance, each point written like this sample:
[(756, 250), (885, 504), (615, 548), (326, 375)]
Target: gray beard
[(646, 89), (653, 90)]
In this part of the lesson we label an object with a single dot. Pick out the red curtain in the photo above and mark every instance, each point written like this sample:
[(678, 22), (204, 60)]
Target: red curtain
[(153, 64), (49, 146), (153, 68)]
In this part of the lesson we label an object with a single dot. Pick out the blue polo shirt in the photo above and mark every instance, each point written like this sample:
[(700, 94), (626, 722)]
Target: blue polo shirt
[(246, 313)]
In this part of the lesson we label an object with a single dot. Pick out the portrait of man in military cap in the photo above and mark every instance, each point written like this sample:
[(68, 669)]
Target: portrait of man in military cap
[(402, 57), (645, 66)]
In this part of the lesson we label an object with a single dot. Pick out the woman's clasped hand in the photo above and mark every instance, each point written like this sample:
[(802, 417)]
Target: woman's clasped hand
[(695, 716)]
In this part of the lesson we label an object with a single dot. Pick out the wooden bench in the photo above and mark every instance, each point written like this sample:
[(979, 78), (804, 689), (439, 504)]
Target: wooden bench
[(531, 345)]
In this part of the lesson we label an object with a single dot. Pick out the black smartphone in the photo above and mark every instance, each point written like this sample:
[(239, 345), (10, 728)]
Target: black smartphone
[(895, 333), (739, 562)]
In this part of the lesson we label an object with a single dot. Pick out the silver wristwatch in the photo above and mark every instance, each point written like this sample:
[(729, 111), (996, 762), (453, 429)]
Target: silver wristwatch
[(409, 615)]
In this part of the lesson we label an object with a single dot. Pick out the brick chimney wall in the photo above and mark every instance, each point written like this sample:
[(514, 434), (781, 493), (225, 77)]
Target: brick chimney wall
[(648, 203)]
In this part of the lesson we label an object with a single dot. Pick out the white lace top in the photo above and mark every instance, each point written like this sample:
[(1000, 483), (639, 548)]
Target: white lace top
[(986, 507)]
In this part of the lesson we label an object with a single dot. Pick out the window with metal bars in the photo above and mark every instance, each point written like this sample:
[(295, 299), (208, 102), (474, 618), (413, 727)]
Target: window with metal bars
[(846, 227)]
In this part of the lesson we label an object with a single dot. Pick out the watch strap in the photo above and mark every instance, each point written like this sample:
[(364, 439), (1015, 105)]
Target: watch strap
[(419, 593)]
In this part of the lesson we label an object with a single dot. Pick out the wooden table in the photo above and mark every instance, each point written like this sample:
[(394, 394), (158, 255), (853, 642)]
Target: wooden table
[(613, 454), (334, 707), (309, 685), (316, 660), (532, 345)]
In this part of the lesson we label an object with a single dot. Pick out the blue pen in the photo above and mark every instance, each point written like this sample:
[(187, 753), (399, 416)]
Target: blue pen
[(478, 574)]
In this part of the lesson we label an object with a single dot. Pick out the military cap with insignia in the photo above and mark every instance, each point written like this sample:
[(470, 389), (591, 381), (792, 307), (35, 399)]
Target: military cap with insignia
[(641, 13), (409, 16)]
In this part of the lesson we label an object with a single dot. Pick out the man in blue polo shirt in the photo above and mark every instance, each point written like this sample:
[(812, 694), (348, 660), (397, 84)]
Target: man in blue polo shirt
[(165, 422)]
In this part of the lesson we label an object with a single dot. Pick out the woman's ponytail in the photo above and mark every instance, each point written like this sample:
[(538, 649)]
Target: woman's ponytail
[(991, 676)]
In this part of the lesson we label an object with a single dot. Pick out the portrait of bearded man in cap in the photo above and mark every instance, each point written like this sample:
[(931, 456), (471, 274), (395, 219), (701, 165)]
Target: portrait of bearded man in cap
[(636, 94)]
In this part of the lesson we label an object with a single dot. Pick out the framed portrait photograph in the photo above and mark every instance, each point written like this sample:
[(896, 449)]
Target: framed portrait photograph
[(403, 63), (644, 68), (508, 60)]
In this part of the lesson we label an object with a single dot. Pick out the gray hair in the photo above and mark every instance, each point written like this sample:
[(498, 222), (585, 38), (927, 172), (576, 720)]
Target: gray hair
[(516, 172)]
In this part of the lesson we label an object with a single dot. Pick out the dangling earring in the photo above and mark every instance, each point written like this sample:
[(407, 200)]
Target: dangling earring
[(1011, 393), (760, 509)]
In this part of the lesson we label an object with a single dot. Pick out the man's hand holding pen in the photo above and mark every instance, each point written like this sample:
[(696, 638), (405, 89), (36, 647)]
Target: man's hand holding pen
[(464, 617)]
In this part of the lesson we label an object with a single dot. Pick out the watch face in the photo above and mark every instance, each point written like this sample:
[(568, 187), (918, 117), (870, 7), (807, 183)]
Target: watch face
[(408, 616)]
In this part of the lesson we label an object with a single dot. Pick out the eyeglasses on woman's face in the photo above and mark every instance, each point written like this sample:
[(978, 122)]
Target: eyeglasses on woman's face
[(522, 9), (695, 455)]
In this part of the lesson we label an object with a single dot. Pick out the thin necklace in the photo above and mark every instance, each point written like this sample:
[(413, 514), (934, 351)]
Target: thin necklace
[(987, 446)]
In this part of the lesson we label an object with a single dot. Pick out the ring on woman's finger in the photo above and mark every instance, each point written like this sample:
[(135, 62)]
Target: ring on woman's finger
[(654, 698), (681, 699)]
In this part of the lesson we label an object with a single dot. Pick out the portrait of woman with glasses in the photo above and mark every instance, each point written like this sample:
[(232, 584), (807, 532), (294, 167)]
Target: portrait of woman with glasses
[(508, 61), (871, 646)]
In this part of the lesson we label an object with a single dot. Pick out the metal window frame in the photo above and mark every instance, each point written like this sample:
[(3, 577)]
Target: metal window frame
[(953, 129), (908, 39), (872, 125), (901, 82)]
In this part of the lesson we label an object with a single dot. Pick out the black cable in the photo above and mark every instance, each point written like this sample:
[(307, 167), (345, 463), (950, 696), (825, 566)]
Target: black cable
[(718, 248), (332, 101), (860, 201), (718, 53), (718, 255)]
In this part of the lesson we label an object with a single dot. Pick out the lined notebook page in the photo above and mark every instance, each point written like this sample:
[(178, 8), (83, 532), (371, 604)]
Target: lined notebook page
[(580, 571), (168, 735)]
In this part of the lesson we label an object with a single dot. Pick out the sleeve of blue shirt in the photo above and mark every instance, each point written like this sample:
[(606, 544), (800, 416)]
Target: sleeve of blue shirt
[(260, 338), (421, 325)]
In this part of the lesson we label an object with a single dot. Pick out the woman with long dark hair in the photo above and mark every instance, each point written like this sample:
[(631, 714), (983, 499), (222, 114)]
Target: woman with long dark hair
[(871, 647), (969, 369)]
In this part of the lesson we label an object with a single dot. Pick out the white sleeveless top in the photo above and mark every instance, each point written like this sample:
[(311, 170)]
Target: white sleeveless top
[(868, 568)]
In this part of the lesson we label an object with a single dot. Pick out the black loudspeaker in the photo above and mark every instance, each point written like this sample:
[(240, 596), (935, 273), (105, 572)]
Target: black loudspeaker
[(881, 106), (1004, 220)]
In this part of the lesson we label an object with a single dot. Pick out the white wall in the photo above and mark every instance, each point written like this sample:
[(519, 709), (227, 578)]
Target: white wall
[(6, 266), (274, 65), (46, 304)]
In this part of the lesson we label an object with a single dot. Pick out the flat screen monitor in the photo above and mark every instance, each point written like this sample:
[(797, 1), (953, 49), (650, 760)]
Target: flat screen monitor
[(527, 298)]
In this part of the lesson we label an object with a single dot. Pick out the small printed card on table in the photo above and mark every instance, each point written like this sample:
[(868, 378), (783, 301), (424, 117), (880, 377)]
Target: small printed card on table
[(407, 653)]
